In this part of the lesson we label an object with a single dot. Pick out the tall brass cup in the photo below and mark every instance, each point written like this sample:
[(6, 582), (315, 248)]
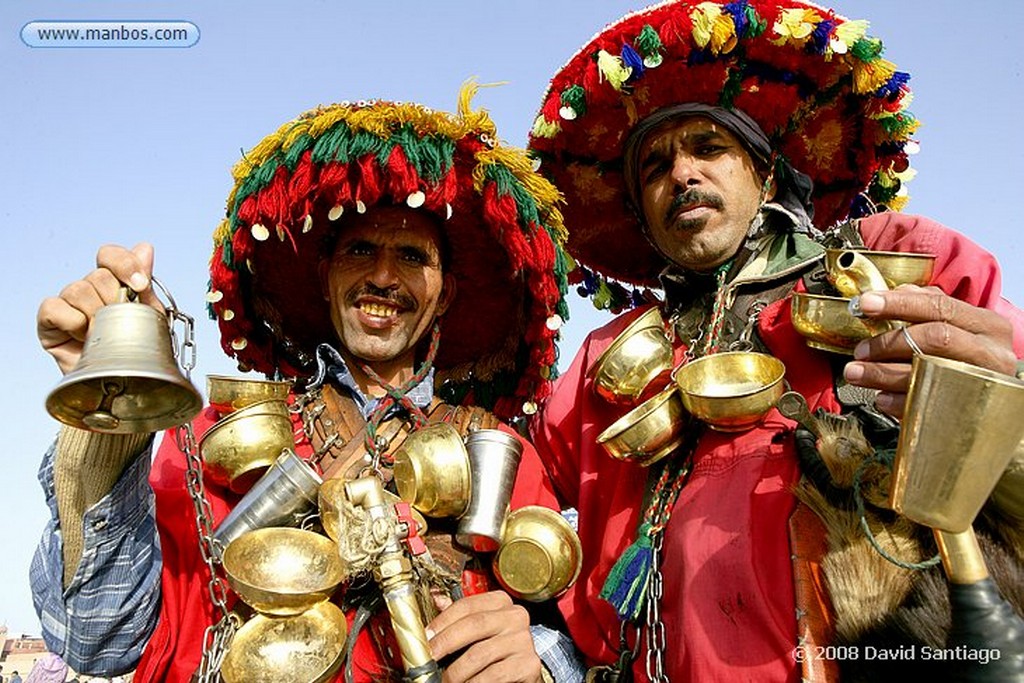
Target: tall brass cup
[(127, 379), (432, 471), (961, 426)]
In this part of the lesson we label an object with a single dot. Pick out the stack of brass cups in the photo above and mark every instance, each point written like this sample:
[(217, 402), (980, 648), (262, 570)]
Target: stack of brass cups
[(827, 323), (729, 391), (537, 554), (285, 574)]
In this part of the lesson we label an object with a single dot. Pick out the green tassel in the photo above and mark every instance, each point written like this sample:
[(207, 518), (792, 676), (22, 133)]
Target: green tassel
[(626, 585), (648, 43)]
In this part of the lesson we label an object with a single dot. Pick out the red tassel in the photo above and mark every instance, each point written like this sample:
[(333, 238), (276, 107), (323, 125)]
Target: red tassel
[(368, 182), (402, 179), (334, 185), (501, 216)]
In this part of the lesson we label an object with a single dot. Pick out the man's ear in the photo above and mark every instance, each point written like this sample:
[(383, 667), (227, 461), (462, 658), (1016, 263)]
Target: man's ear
[(769, 188), (447, 294)]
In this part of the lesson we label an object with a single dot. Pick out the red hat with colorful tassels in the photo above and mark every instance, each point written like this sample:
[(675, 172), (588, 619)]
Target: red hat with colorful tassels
[(814, 82), (499, 218)]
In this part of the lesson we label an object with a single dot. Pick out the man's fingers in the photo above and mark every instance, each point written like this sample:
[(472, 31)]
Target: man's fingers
[(938, 339), (914, 304), (133, 267)]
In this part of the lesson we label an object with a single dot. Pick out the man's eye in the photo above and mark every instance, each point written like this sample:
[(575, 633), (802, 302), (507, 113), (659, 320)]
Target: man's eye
[(709, 150), (415, 257)]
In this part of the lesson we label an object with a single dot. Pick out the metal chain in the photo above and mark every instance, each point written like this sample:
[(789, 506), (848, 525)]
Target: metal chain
[(217, 637), (655, 633)]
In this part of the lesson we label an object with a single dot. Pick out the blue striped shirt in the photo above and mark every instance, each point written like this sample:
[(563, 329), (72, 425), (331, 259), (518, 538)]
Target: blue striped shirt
[(101, 622)]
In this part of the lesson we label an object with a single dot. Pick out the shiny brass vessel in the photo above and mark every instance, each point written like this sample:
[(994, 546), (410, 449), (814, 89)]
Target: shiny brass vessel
[(648, 432), (897, 268), (540, 554), (228, 394), (283, 570), (731, 391), (960, 429), (305, 648), (432, 471), (332, 497), (239, 447), (826, 323), (633, 360)]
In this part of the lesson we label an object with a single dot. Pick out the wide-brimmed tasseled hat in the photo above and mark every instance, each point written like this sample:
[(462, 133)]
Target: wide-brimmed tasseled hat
[(498, 216), (814, 82)]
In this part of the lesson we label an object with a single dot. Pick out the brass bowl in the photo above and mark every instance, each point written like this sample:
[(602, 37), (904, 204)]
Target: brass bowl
[(305, 647), (432, 471), (283, 570), (898, 268), (732, 391), (239, 447), (540, 554), (637, 355), (332, 497), (649, 432), (826, 323), (228, 394)]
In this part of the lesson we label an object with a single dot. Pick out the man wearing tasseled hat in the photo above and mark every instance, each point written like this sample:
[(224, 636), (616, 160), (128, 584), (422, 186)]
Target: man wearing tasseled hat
[(709, 153), (403, 267)]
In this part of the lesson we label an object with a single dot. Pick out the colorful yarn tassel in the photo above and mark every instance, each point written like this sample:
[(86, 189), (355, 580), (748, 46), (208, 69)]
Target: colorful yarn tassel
[(626, 585)]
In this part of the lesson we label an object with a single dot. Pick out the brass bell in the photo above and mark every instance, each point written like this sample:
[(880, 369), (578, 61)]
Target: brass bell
[(127, 379)]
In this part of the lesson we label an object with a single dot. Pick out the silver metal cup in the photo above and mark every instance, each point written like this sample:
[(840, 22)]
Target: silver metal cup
[(283, 496), (493, 461)]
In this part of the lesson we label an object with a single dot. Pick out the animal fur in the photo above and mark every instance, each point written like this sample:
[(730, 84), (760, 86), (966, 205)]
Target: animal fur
[(877, 604)]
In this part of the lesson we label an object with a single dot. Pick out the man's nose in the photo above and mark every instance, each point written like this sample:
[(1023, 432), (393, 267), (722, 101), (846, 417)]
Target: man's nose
[(685, 169), (384, 272)]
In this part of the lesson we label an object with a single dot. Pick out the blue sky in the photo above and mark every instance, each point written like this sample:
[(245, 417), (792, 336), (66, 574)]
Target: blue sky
[(124, 145)]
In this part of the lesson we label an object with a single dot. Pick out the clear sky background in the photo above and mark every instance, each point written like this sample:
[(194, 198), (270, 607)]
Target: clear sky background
[(124, 145)]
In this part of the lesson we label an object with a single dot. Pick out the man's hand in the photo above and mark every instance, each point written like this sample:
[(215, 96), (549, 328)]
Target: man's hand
[(940, 326), (63, 322), (495, 636)]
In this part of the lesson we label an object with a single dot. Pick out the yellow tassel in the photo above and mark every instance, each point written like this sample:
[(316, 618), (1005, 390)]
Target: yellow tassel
[(795, 25), (870, 76), (222, 232), (846, 34), (713, 28), (612, 69), (542, 128)]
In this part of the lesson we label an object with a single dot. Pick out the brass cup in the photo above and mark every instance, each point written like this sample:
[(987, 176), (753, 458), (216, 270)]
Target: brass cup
[(432, 471), (649, 432), (638, 354), (732, 391), (282, 570), (239, 447), (305, 647), (960, 429), (540, 554), (897, 268), (228, 394), (826, 323), (332, 497)]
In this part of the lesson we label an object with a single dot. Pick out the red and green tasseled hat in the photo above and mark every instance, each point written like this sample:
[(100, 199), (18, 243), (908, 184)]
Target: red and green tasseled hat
[(499, 217), (814, 81)]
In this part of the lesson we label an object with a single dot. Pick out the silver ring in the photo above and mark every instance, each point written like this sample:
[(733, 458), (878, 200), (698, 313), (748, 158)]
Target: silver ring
[(910, 341)]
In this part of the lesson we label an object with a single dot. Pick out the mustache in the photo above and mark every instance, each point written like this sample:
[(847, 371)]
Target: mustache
[(393, 296), (692, 197)]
